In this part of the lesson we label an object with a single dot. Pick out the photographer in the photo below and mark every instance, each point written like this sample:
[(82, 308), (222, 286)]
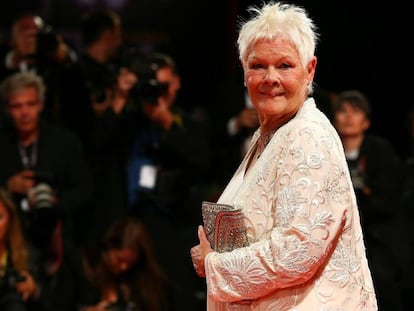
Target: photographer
[(166, 167), (103, 123), (168, 144), (19, 291), (375, 170), (19, 56), (37, 47), (44, 168)]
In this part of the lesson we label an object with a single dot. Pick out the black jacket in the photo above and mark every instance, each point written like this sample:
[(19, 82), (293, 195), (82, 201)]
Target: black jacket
[(61, 161)]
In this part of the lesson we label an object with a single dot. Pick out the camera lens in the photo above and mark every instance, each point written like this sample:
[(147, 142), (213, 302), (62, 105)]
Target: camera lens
[(42, 196)]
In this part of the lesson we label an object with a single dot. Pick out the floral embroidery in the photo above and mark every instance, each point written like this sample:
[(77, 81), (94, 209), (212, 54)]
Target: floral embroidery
[(303, 225)]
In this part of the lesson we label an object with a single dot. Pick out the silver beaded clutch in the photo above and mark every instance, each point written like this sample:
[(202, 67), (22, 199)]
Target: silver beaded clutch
[(224, 226)]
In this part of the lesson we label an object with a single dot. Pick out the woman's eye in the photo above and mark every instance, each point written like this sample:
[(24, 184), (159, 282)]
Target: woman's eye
[(284, 66), (256, 66)]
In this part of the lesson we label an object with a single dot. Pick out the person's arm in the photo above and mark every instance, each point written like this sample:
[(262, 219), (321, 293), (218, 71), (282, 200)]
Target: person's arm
[(21, 182), (28, 287), (307, 202)]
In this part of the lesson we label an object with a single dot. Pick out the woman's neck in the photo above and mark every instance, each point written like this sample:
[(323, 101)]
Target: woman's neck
[(261, 144), (264, 139)]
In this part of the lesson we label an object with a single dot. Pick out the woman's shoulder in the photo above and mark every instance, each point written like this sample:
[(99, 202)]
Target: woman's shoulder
[(310, 118)]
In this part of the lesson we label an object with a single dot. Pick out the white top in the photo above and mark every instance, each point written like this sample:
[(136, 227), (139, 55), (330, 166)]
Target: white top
[(306, 247)]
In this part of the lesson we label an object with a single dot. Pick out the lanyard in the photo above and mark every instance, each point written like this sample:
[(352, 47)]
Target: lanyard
[(28, 161)]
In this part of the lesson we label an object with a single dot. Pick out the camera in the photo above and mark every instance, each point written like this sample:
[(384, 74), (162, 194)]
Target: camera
[(47, 43), (97, 87), (148, 88), (42, 194)]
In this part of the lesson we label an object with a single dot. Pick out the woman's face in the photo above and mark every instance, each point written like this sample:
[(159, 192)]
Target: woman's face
[(276, 80), (4, 222), (119, 260)]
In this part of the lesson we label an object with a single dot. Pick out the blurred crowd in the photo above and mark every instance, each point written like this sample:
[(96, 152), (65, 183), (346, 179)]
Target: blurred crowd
[(103, 169)]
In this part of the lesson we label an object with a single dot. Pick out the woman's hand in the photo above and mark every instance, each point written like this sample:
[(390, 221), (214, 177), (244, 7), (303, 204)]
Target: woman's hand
[(199, 252)]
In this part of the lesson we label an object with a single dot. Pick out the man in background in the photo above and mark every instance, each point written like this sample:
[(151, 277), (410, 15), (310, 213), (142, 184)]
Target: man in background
[(44, 168)]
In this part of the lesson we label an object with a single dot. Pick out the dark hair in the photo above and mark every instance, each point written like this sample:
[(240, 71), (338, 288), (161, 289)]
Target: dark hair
[(145, 280), (355, 98), (162, 60), (96, 22)]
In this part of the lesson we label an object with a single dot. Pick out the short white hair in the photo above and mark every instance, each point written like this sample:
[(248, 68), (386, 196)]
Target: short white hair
[(274, 20)]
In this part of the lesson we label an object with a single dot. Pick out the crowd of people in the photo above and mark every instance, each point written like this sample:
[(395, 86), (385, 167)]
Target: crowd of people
[(104, 170), (93, 141)]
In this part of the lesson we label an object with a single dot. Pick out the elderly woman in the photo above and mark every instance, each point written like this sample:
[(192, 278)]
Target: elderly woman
[(305, 245)]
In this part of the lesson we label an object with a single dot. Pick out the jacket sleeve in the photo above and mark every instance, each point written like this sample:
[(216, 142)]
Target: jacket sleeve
[(76, 185)]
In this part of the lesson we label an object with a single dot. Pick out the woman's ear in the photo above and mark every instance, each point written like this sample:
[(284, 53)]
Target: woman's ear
[(311, 69)]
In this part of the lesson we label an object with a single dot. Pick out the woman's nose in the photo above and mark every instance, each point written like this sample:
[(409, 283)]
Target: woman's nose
[(271, 75)]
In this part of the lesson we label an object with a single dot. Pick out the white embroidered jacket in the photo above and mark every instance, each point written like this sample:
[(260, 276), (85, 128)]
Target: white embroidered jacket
[(306, 247)]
